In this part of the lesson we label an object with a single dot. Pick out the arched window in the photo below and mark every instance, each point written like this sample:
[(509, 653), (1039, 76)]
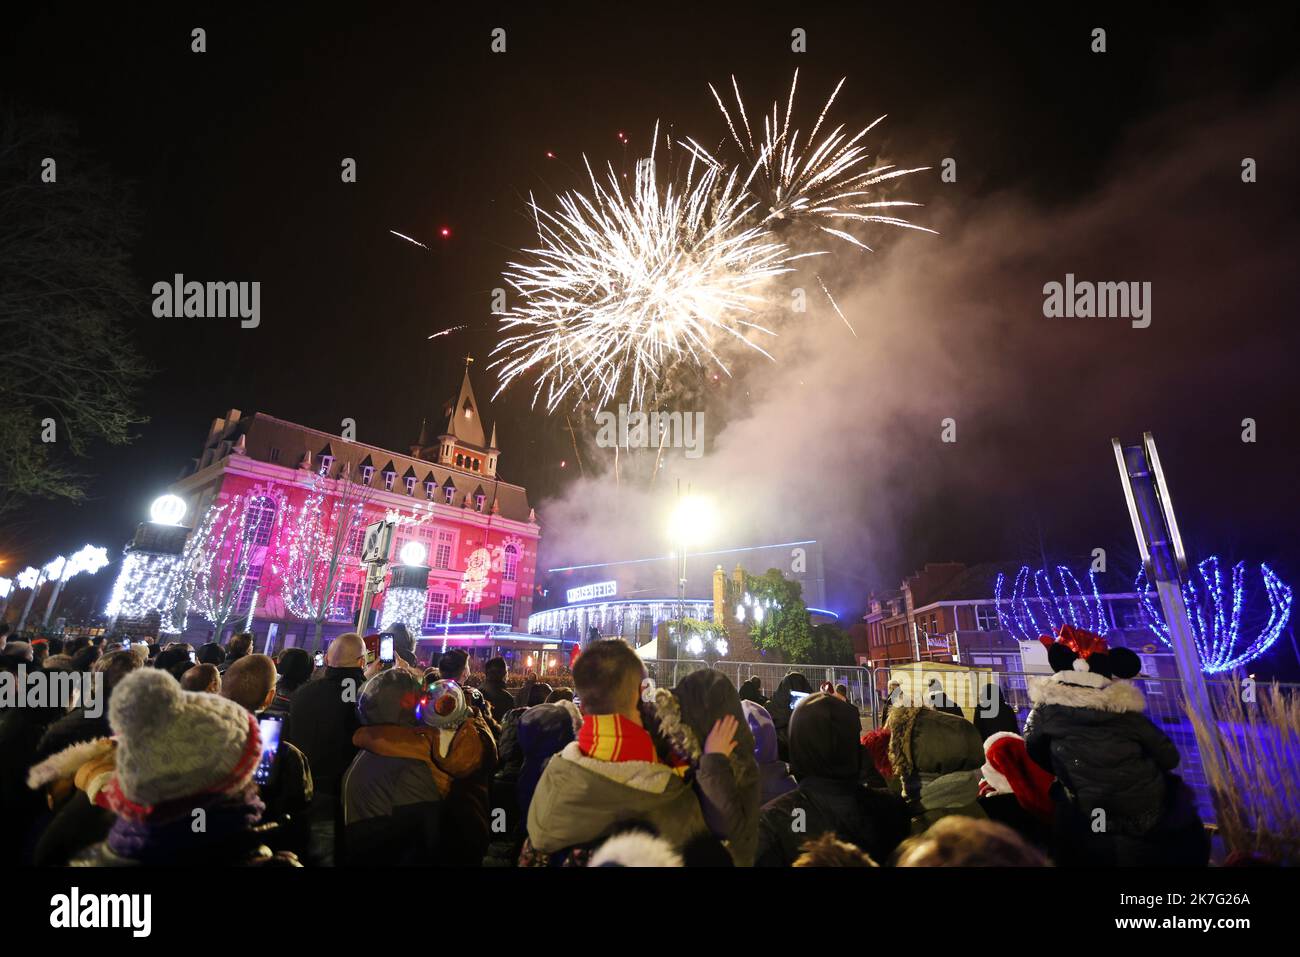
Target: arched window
[(259, 520), (510, 563)]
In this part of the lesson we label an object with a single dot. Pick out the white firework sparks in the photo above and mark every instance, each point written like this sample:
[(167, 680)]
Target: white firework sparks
[(625, 283), (625, 287), (827, 183)]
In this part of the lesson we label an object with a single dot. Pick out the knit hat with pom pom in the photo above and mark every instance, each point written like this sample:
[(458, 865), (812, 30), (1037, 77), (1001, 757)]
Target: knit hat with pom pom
[(175, 744)]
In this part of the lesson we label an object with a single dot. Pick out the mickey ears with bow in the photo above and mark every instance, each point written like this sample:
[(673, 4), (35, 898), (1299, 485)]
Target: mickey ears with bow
[(1075, 649)]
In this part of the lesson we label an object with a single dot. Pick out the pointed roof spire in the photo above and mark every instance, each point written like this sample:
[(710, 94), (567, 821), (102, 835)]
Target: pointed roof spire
[(423, 440), (493, 444), (464, 422)]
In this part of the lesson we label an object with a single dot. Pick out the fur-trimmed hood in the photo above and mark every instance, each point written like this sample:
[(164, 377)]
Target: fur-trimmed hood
[(1086, 689), (635, 849)]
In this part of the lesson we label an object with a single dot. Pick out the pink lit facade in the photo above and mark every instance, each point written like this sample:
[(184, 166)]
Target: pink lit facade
[(446, 489)]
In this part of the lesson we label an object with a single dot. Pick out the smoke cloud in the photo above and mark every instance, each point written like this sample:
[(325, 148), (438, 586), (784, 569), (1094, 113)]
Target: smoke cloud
[(841, 438)]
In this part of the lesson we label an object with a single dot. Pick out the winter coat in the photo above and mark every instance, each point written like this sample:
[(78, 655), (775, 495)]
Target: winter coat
[(71, 729), (322, 720), (825, 754), (996, 715), (543, 730), (936, 759), (78, 822), (21, 730), (1091, 732), (233, 835), (502, 701), (727, 785), (774, 776), (578, 800), (470, 765), (392, 803), (779, 708)]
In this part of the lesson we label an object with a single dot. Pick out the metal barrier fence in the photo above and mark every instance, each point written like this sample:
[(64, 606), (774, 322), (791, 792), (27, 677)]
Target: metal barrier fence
[(967, 687)]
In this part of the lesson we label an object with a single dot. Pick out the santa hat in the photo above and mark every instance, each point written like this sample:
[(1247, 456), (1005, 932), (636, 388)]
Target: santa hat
[(1008, 769), (175, 744), (635, 849)]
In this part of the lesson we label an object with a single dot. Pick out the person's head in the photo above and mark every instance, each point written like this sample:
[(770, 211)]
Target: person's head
[(830, 851), (346, 651), (172, 744), (141, 651), (57, 663), (239, 646), (842, 692), (56, 645), (295, 667), (495, 669), (560, 694), (4, 633), (40, 650), (391, 697), (174, 661), (958, 841), (250, 681), (76, 644), (203, 677), (824, 739), (84, 659), (607, 678), (454, 665), (210, 654), (115, 667)]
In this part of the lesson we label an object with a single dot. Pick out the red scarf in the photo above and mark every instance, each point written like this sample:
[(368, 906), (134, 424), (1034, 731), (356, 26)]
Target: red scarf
[(612, 737)]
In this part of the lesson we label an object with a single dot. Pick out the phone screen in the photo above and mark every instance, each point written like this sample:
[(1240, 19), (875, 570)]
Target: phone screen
[(386, 648), (320, 658), (270, 729), (193, 656), (796, 697)]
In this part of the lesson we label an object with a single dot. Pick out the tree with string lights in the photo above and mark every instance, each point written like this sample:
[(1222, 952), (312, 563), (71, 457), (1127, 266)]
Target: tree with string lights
[(317, 535), (240, 533)]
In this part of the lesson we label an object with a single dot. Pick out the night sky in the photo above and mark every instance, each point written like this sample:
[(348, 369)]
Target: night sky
[(235, 157)]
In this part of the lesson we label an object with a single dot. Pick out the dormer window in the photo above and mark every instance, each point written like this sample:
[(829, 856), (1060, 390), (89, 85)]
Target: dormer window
[(478, 502), (326, 463), (449, 491), (367, 473), (389, 478), (429, 489), (410, 485)]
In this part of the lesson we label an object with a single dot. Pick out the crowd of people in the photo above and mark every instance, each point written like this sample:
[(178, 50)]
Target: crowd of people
[(223, 756)]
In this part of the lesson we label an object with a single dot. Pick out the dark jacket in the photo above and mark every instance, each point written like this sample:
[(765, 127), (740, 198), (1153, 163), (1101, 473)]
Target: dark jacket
[(501, 700), (542, 731), (993, 714), (1092, 734), (936, 760), (73, 729), (21, 730), (727, 784), (392, 807), (234, 835), (322, 720), (779, 708), (825, 751)]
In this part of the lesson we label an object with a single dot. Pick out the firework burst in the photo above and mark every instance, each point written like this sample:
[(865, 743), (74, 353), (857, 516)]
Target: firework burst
[(627, 286)]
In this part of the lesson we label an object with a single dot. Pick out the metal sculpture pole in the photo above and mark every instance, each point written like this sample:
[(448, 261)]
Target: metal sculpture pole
[(1161, 546)]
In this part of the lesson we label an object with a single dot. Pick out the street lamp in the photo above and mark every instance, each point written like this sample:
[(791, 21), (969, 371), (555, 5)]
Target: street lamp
[(691, 522)]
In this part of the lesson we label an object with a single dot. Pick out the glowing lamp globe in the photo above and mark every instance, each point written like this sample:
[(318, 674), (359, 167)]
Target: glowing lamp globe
[(413, 553), (692, 520), (167, 510)]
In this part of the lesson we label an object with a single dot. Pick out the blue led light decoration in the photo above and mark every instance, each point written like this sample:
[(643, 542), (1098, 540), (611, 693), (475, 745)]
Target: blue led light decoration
[(1216, 616), (1035, 607)]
